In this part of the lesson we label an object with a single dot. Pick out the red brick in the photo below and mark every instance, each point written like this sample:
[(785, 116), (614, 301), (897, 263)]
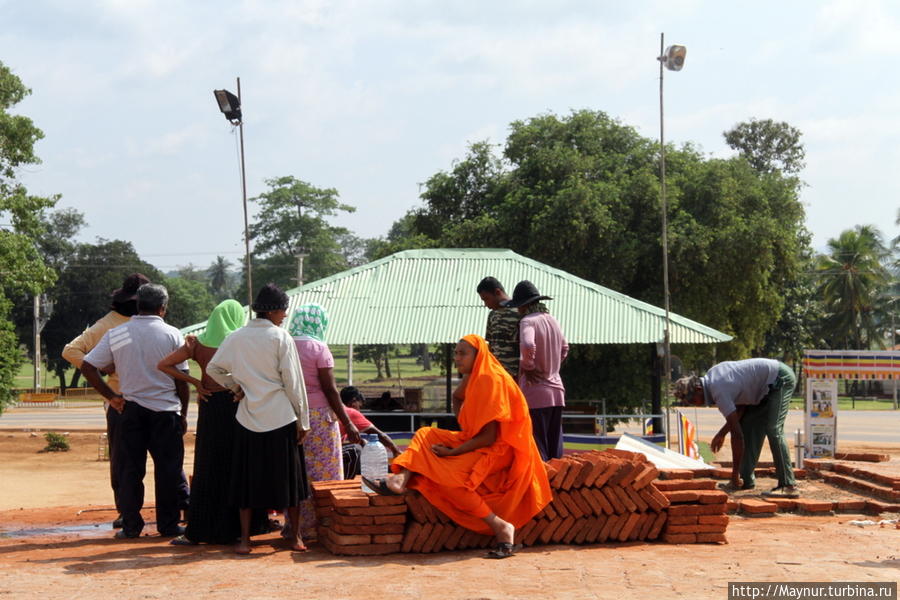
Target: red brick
[(424, 534), (583, 529), (641, 504), (348, 539), (583, 507), (366, 529), (686, 519), (587, 496), (453, 541), (610, 468), (713, 520), (707, 538), (676, 474), (322, 489), (521, 533), (551, 470), (614, 500), (586, 467), (602, 501), (348, 520), (813, 506), (607, 528), (469, 539), (679, 538), (412, 532), (651, 500), (431, 513), (850, 505), (630, 506), (535, 533), (372, 510), (550, 529), (625, 478), (559, 506), (784, 504), (563, 466), (862, 456), (629, 526), (389, 519), (600, 466), (649, 473), (550, 512), (657, 525), (672, 485), (720, 473), (681, 496), (657, 495), (596, 527), (387, 539), (574, 469), (756, 507), (622, 470), (387, 500), (732, 506), (437, 533), (679, 510), (617, 526), (575, 529), (562, 530), (348, 499), (712, 497), (646, 525), (696, 528)]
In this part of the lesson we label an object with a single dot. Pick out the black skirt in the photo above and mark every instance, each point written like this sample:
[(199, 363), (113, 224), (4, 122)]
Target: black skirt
[(269, 470), (212, 519)]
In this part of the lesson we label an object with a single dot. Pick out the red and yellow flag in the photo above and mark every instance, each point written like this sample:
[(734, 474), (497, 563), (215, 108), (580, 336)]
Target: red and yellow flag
[(687, 437)]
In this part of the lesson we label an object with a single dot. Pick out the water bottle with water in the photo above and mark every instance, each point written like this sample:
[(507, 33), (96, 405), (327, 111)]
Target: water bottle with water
[(373, 460)]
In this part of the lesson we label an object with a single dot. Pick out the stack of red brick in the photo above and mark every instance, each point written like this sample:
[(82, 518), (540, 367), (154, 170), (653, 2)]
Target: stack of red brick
[(698, 510), (355, 523)]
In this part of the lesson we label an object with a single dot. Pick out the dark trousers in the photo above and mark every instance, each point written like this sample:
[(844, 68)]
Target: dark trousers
[(766, 421), (160, 433), (546, 424), (351, 454), (115, 462)]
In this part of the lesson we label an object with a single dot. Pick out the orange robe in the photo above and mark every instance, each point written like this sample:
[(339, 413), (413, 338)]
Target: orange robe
[(507, 478)]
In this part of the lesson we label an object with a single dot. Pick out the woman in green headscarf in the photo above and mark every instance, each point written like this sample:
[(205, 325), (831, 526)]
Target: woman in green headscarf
[(210, 519), (322, 445)]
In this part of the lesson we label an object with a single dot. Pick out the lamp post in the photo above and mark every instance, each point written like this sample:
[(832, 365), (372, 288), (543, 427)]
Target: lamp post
[(43, 310), (672, 58), (230, 105)]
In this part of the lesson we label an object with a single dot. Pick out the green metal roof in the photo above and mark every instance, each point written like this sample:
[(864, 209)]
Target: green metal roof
[(428, 296)]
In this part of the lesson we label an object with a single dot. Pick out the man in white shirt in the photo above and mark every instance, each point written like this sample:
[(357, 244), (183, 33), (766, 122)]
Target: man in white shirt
[(153, 410)]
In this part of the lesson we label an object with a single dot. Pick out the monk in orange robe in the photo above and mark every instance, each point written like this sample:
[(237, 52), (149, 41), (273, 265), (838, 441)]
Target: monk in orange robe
[(489, 477)]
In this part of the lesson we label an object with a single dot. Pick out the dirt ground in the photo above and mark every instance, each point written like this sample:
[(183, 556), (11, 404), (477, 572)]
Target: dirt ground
[(41, 492)]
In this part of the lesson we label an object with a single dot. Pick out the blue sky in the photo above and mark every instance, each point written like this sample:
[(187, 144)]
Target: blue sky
[(374, 97)]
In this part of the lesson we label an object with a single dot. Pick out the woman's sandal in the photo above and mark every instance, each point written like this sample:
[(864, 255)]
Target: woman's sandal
[(379, 486), (503, 550), (182, 540)]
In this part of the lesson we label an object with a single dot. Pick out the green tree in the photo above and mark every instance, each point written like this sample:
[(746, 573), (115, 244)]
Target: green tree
[(189, 301), (22, 271), (581, 193), (293, 219), (768, 145), (852, 278), (218, 275)]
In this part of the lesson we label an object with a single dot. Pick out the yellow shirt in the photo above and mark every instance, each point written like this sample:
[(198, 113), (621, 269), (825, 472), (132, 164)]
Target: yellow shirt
[(77, 349)]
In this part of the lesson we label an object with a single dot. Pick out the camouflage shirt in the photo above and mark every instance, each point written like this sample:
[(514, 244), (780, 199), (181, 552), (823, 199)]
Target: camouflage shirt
[(502, 336)]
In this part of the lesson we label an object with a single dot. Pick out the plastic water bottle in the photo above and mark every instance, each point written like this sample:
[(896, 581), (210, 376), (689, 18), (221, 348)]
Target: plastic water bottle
[(373, 460)]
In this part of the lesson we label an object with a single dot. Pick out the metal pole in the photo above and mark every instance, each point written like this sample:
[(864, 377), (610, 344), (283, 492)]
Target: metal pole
[(37, 343), (350, 364), (667, 359), (246, 219), (300, 258)]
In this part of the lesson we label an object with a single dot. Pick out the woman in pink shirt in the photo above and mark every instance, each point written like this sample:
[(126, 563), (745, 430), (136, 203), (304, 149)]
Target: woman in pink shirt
[(322, 446)]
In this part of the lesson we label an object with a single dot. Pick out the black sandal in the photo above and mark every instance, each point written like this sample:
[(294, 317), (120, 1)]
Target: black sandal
[(379, 486), (503, 550)]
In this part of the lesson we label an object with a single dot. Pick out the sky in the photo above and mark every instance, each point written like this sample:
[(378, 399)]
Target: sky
[(374, 97)]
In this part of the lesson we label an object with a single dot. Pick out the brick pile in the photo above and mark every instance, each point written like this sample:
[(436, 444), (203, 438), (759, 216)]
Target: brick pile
[(354, 523), (697, 513)]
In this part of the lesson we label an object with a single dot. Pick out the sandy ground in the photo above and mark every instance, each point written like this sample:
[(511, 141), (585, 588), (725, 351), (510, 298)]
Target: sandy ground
[(43, 491)]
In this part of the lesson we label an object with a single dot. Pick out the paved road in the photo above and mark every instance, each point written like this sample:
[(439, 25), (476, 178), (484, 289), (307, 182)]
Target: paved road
[(872, 426)]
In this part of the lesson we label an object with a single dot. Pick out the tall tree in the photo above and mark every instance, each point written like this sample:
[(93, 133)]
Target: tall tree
[(768, 145), (852, 277), (217, 273), (22, 271), (293, 219)]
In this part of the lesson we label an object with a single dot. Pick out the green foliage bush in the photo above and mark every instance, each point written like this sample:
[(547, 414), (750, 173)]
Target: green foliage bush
[(56, 442)]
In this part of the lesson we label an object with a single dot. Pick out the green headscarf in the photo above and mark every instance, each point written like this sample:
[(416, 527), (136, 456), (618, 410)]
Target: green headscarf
[(227, 317), (310, 320)]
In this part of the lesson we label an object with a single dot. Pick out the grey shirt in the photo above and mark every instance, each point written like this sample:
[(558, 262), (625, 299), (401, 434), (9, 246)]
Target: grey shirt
[(135, 348), (739, 383)]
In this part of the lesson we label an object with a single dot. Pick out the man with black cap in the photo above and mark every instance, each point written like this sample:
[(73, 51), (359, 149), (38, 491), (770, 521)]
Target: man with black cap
[(754, 396), (153, 410), (124, 306), (542, 349)]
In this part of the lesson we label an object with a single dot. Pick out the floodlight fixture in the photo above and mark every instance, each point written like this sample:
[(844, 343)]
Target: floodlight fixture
[(673, 58), (229, 104)]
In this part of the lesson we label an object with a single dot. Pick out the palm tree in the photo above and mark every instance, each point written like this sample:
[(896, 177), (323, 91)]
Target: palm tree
[(218, 276), (852, 281)]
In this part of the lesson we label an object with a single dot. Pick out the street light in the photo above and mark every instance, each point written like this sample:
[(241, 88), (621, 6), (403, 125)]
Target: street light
[(672, 58), (230, 105)]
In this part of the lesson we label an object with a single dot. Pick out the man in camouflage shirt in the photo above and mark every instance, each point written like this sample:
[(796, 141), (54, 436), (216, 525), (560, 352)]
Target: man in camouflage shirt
[(502, 332)]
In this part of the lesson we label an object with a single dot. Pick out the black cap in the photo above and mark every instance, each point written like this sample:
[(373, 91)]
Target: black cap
[(524, 294), (269, 298), (129, 288)]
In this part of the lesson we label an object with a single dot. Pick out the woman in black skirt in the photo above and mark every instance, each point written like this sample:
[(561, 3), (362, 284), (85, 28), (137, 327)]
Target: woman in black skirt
[(211, 519), (260, 360)]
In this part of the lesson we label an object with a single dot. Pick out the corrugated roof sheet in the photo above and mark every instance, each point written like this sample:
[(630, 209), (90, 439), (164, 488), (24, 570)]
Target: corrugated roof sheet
[(428, 296)]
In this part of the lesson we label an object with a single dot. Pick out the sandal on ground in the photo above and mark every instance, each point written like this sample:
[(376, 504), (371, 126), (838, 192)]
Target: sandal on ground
[(782, 492), (242, 552), (299, 548), (379, 486), (503, 550), (731, 488), (182, 540)]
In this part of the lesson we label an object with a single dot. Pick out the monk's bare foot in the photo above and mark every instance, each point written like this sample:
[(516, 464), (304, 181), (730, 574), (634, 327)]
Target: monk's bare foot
[(504, 531), (396, 483), (242, 548)]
